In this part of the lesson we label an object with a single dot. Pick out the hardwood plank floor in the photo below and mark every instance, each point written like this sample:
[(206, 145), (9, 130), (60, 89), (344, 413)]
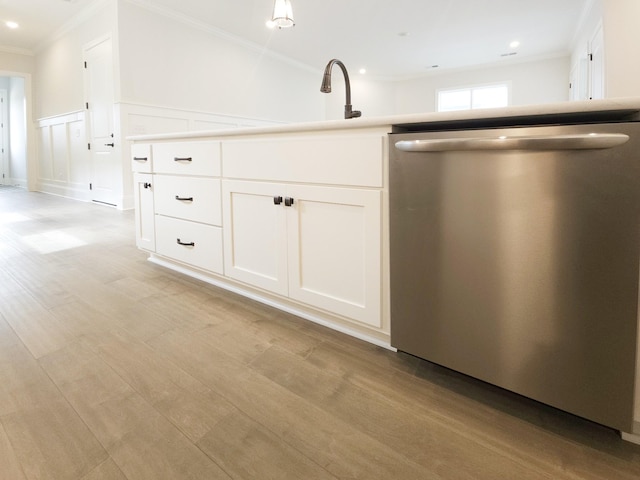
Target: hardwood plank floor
[(114, 368)]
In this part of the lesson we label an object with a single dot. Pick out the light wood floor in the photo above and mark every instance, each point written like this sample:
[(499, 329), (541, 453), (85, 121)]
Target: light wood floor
[(114, 368)]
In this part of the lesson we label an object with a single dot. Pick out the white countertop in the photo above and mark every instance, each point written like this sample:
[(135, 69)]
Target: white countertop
[(618, 104)]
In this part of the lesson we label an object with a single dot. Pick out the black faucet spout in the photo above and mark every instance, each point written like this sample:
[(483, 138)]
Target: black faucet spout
[(326, 87)]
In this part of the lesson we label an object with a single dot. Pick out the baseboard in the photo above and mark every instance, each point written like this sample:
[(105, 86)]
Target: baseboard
[(631, 437), (63, 190), (281, 304)]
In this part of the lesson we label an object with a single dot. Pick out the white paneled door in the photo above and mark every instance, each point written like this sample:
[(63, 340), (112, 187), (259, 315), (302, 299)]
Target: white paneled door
[(596, 65), (100, 103)]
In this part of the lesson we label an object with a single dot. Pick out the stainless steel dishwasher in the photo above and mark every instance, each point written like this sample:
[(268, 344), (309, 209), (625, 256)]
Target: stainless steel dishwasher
[(515, 259)]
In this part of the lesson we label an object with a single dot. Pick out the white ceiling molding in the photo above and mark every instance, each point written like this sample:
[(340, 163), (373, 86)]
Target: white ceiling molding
[(17, 51), (197, 24), (77, 20)]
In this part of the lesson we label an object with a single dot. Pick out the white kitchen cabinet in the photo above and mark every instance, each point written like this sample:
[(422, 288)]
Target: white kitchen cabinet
[(294, 221), (177, 198), (193, 243), (145, 211), (315, 244)]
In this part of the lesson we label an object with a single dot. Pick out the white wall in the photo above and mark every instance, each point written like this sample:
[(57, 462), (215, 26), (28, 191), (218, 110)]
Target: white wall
[(372, 97), (533, 82), (59, 88), (166, 62), (16, 62), (621, 20)]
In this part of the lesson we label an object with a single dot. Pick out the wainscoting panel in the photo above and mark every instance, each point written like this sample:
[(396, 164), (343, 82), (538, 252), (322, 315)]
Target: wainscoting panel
[(63, 157)]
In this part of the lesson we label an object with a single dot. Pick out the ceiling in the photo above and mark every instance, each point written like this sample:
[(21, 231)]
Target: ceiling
[(399, 38)]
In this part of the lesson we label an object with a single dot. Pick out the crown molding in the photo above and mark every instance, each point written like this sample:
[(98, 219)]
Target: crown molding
[(72, 23), (207, 28), (16, 51)]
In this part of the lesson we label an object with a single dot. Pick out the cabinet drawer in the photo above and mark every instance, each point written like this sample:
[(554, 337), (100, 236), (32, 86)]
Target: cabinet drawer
[(141, 158), (187, 158), (336, 160), (190, 198), (189, 242)]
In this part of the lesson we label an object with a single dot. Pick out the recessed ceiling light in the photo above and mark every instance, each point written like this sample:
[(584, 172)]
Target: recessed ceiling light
[(12, 25), (514, 44)]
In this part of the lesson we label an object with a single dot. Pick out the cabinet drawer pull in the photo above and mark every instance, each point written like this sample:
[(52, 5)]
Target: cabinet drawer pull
[(184, 199), (140, 159), (277, 200), (182, 159), (186, 244), (288, 201)]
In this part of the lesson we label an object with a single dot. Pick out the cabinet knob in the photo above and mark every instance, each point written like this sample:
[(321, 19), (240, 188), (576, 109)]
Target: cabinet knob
[(146, 185), (288, 201), (277, 200)]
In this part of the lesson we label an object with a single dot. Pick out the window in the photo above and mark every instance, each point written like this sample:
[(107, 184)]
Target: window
[(483, 96)]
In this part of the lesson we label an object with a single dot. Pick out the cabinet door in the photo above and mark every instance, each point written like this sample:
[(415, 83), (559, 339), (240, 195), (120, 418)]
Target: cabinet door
[(144, 211), (334, 238), (255, 242)]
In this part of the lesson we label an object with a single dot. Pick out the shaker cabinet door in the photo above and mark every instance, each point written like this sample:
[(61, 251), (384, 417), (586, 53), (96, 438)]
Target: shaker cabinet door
[(144, 211), (255, 243), (334, 239)]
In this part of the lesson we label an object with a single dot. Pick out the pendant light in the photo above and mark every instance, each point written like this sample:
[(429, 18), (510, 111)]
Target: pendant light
[(282, 14)]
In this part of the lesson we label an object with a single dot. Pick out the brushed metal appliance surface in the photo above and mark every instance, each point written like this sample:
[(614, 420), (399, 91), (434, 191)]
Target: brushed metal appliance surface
[(515, 259)]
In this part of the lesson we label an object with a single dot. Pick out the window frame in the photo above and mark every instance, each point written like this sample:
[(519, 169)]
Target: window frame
[(471, 89)]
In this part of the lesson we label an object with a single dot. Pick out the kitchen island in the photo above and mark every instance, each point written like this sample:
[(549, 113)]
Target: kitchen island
[(297, 216)]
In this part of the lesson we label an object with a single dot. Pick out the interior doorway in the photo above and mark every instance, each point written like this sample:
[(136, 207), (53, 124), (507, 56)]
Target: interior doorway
[(100, 121), (15, 130), (4, 138)]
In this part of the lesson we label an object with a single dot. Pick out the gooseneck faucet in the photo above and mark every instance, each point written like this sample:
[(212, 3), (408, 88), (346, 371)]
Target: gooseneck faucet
[(326, 87)]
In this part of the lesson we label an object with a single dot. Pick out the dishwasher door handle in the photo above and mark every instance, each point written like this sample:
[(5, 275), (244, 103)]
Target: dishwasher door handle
[(586, 141)]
